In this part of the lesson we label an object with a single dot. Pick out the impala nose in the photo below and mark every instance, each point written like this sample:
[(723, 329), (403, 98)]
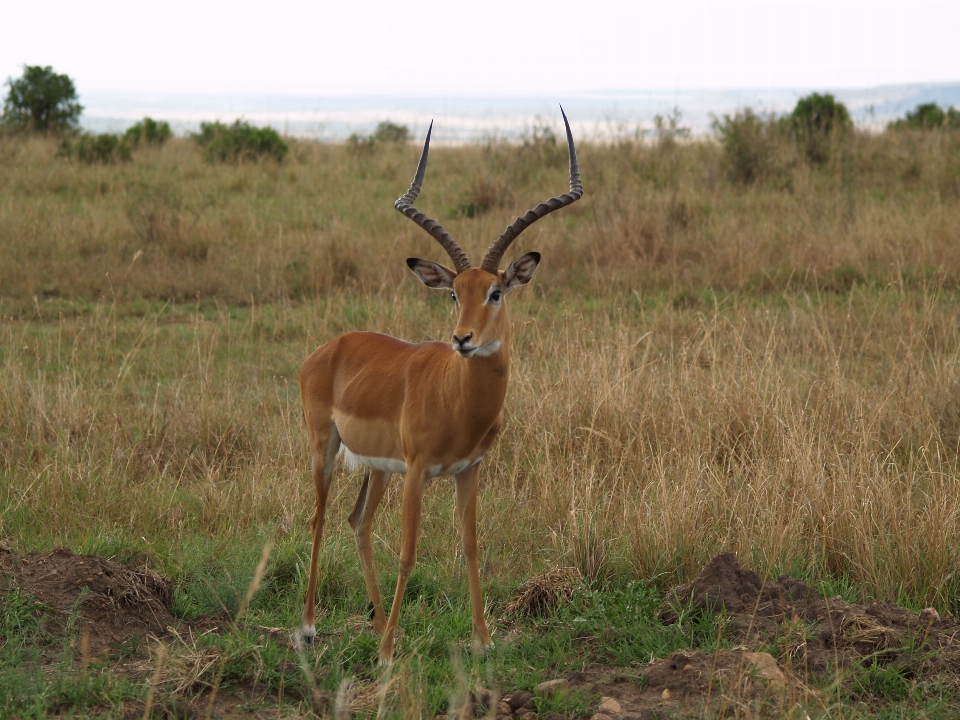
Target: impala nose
[(461, 341)]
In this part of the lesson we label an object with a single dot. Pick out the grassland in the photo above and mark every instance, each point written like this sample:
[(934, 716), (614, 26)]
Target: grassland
[(699, 366)]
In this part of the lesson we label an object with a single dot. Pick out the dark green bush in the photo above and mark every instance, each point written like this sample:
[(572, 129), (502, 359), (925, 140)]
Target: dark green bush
[(240, 141), (90, 148), (41, 100), (391, 132), (820, 123), (749, 144), (148, 131), (928, 116)]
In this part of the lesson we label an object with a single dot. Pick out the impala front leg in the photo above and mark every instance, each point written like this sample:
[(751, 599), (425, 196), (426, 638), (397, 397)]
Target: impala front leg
[(467, 485), (413, 488)]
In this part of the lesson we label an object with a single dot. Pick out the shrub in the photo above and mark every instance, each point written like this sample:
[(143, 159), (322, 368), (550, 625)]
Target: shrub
[(41, 100), (391, 132), (749, 145), (90, 148), (386, 132), (668, 130), (819, 122), (148, 131), (240, 141), (928, 116)]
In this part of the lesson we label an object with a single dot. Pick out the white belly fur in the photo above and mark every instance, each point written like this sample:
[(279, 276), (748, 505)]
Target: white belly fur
[(392, 465)]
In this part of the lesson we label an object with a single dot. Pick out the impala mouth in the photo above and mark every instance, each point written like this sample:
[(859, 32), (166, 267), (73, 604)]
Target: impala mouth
[(468, 351), (465, 351)]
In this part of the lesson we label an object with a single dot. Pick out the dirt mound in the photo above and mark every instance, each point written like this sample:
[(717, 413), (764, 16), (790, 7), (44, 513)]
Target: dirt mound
[(815, 631), (111, 602)]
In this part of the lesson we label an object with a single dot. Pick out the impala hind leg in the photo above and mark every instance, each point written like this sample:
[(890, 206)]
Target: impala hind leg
[(414, 485), (323, 454), (467, 485), (361, 520)]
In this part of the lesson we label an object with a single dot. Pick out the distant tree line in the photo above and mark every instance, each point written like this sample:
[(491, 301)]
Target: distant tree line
[(42, 101)]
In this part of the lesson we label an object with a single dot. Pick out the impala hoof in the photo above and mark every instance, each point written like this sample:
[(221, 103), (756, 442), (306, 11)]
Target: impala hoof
[(308, 635)]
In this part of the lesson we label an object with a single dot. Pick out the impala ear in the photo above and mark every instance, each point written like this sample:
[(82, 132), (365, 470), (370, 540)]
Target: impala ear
[(520, 271), (432, 274)]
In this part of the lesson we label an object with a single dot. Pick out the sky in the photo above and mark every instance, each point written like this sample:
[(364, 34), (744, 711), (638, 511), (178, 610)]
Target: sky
[(394, 48)]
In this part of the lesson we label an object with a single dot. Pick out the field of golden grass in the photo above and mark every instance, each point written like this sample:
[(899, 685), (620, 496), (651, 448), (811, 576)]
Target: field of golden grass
[(698, 366)]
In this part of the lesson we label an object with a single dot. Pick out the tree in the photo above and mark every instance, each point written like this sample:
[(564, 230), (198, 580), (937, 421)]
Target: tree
[(41, 100), (819, 122)]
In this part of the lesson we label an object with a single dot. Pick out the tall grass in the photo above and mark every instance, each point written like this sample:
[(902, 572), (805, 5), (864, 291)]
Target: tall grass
[(698, 366)]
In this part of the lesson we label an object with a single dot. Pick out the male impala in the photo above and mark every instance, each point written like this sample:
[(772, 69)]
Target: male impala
[(425, 410)]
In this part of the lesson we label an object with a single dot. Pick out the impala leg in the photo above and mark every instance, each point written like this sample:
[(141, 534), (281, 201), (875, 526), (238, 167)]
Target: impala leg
[(467, 484), (361, 520), (323, 454), (413, 489)]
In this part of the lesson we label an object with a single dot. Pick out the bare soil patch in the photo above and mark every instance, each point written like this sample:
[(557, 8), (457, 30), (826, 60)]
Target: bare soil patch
[(111, 602), (815, 632)]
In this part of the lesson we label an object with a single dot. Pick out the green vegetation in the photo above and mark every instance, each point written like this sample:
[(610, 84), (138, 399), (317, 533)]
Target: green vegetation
[(240, 141), (929, 116), (148, 131), (386, 132), (103, 148), (42, 101), (707, 360), (820, 123)]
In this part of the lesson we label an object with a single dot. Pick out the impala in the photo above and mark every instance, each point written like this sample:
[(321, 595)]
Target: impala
[(426, 409)]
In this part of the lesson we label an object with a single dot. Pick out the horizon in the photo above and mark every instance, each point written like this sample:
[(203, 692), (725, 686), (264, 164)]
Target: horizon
[(600, 115)]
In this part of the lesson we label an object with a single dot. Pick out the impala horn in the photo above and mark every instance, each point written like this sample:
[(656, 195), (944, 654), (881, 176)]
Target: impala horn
[(491, 261), (405, 205)]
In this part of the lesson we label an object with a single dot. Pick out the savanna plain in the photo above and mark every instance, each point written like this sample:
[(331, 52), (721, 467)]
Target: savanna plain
[(700, 365)]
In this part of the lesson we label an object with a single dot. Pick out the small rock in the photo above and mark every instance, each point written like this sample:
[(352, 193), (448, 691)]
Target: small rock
[(520, 699), (929, 615), (767, 668), (552, 687), (600, 716), (665, 695), (504, 709), (529, 715), (482, 700), (609, 706), (687, 668)]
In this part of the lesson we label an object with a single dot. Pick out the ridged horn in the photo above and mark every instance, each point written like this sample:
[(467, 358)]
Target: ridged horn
[(491, 261), (405, 205)]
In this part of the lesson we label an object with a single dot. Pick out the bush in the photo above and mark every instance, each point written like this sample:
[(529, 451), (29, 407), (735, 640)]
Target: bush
[(391, 132), (148, 131), (819, 123), (240, 141), (89, 148), (749, 145), (386, 132), (928, 116), (41, 101)]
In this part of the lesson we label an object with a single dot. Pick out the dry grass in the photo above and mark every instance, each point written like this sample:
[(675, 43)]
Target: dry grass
[(698, 367)]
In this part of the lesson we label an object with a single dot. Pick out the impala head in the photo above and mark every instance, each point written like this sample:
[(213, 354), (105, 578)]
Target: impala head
[(479, 293)]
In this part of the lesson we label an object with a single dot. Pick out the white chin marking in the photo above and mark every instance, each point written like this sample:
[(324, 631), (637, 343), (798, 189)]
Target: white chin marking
[(355, 462), (488, 349), (479, 351)]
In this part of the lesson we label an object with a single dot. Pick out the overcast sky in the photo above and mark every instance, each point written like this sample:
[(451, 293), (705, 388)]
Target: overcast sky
[(489, 48)]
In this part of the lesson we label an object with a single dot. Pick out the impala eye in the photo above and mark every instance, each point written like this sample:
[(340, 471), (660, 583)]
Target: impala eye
[(495, 296), (453, 296)]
